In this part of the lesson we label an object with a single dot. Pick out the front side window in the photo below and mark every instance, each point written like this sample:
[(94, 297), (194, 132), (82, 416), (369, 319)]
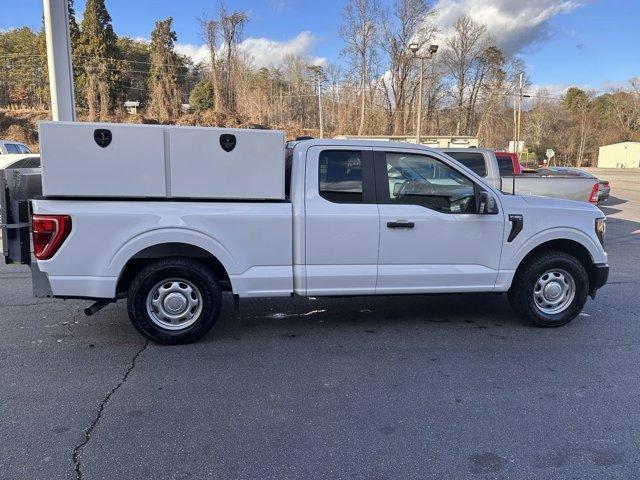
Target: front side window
[(421, 180), (341, 176)]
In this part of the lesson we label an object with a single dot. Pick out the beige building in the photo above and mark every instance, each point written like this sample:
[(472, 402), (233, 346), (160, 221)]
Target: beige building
[(430, 141), (620, 155)]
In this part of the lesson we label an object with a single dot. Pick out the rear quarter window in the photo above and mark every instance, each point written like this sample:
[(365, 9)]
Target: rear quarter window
[(472, 160), (505, 166)]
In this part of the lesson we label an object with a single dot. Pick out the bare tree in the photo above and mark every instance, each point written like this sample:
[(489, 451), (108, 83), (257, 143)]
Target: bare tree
[(359, 30), (210, 30), (408, 21), (232, 25), (465, 60)]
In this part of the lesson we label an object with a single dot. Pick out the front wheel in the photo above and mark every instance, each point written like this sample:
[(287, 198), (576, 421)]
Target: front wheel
[(174, 301), (550, 290)]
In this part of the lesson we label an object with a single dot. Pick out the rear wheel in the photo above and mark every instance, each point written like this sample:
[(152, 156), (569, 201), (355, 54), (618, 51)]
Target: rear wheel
[(550, 290), (174, 301)]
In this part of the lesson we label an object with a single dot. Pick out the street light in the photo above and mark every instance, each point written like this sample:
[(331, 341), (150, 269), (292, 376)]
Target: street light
[(432, 50)]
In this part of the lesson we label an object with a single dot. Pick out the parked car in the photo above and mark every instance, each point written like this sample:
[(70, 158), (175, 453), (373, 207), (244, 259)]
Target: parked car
[(8, 147), (604, 188), (206, 210), (508, 163), (483, 162)]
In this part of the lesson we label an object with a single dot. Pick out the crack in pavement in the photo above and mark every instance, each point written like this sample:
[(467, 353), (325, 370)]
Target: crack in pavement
[(89, 431)]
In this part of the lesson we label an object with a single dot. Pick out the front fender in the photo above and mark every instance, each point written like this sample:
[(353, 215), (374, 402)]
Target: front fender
[(513, 257)]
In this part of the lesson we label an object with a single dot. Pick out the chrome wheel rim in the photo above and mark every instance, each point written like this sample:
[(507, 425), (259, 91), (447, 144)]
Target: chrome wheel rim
[(554, 291), (174, 304)]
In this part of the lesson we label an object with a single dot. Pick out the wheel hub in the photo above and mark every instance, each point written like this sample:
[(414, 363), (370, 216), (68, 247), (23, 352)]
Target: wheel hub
[(174, 304), (554, 291)]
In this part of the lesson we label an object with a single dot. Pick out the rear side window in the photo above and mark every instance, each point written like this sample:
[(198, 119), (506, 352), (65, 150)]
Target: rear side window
[(472, 160), (341, 176), (505, 166), (11, 148), (23, 149)]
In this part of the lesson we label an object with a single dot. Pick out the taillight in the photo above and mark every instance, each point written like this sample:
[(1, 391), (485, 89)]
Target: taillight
[(49, 233), (593, 197)]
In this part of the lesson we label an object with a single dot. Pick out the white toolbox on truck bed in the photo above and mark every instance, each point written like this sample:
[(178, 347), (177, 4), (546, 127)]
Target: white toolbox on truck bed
[(201, 168), (156, 161), (73, 164)]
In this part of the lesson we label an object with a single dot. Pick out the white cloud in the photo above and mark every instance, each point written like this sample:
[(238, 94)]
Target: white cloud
[(265, 52), (554, 89), (515, 24), (198, 53)]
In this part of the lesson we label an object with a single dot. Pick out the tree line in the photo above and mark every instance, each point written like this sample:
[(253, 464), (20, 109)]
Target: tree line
[(470, 84)]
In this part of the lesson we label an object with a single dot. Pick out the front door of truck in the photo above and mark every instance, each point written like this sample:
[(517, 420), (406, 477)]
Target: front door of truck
[(432, 237), (342, 222)]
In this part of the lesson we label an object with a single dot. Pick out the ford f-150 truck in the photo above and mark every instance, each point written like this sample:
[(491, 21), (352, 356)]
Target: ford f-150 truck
[(485, 163), (171, 217)]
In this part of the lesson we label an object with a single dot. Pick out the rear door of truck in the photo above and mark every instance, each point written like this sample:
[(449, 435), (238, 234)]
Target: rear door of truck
[(341, 221)]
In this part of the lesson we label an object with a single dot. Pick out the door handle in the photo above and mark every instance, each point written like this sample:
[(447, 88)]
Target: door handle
[(400, 224)]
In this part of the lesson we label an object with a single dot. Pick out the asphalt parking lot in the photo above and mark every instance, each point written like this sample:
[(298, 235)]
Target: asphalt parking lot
[(387, 388)]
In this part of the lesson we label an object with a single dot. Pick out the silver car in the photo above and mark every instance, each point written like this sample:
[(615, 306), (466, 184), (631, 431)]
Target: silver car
[(9, 147)]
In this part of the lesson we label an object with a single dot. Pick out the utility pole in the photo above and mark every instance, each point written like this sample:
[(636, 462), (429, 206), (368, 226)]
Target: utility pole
[(56, 25), (317, 71), (518, 100), (414, 47), (515, 124), (419, 119), (519, 121)]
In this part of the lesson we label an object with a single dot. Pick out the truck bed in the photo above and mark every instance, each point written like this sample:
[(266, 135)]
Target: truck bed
[(253, 241), (570, 188)]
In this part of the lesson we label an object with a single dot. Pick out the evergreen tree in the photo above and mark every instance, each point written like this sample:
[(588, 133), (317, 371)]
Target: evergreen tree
[(202, 97), (74, 28), (98, 52), (164, 101)]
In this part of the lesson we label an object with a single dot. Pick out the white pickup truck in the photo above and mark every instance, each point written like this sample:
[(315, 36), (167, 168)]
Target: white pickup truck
[(171, 217)]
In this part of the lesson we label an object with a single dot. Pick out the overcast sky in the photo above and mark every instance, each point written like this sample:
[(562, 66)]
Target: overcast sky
[(590, 43)]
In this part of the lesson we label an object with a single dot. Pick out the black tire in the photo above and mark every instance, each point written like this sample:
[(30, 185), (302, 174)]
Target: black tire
[(521, 294), (206, 293)]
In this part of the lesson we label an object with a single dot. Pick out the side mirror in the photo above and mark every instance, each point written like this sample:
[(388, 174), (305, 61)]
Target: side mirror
[(487, 204)]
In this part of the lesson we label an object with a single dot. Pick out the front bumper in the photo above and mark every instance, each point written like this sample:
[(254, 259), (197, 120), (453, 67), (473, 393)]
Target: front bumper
[(599, 277)]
